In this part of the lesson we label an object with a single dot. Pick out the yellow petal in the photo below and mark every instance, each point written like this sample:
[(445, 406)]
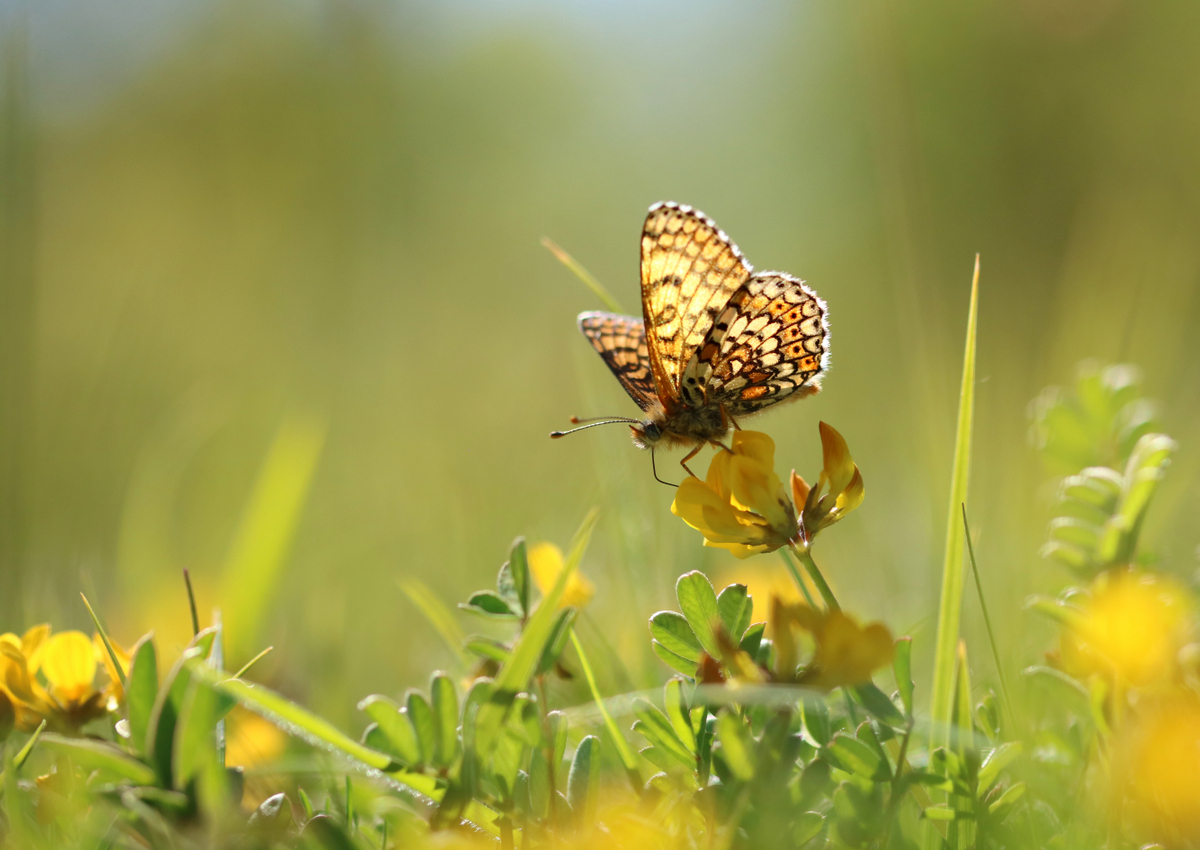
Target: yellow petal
[(800, 490), (69, 665), (717, 479), (852, 496), (755, 445), (31, 643), (847, 654), (839, 466), (545, 563)]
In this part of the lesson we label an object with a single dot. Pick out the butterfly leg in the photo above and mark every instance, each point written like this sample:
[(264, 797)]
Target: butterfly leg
[(727, 420), (691, 455)]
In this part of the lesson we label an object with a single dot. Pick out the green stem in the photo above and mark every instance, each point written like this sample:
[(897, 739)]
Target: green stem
[(623, 748), (800, 583), (814, 572), (987, 621)]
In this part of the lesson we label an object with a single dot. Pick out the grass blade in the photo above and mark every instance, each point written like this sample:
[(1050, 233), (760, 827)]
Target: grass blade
[(987, 620), (583, 274), (268, 526), (623, 749), (950, 608), (438, 615)]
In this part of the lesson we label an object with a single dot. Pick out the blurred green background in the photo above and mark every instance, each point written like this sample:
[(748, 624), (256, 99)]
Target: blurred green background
[(274, 307)]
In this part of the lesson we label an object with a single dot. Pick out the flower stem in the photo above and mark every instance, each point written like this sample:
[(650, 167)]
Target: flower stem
[(814, 572), (791, 565)]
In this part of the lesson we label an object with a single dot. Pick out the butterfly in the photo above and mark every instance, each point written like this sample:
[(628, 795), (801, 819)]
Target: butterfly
[(715, 343)]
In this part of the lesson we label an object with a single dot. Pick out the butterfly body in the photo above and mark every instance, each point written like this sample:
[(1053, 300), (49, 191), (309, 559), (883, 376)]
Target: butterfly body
[(716, 342)]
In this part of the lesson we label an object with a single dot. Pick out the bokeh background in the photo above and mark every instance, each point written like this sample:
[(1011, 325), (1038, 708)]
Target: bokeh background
[(273, 306)]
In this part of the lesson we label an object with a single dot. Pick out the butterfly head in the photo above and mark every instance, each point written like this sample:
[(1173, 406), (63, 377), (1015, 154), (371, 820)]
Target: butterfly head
[(646, 435)]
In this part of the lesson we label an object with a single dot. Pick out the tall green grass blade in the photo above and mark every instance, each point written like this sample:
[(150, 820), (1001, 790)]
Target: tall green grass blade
[(99, 755), (623, 749), (268, 527), (950, 608), (112, 654), (987, 620), (320, 733), (583, 274), (438, 615)]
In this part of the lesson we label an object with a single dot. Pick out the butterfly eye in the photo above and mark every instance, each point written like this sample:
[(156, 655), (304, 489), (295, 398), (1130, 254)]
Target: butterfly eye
[(651, 431)]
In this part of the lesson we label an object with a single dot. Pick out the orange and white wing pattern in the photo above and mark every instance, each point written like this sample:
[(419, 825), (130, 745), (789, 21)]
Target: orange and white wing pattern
[(771, 341), (621, 342), (690, 270)]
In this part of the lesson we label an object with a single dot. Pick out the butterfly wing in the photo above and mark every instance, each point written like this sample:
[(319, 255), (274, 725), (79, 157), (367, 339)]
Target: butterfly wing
[(770, 341), (621, 341), (690, 270)]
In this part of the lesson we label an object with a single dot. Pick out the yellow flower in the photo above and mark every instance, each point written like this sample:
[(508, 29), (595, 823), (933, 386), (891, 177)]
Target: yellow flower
[(64, 694), (1162, 763), (741, 505), (545, 563), (845, 652), (841, 475), (1132, 626)]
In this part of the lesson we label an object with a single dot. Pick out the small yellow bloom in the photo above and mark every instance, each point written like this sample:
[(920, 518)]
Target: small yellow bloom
[(64, 693), (843, 479), (545, 563), (1133, 626), (741, 505), (1162, 763), (845, 653)]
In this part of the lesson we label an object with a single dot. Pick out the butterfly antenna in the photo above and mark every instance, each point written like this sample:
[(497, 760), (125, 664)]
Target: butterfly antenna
[(654, 469), (575, 420), (624, 420)]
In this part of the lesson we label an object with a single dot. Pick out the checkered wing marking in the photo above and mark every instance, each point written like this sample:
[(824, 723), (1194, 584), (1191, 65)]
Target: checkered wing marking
[(690, 269), (770, 341), (621, 341)]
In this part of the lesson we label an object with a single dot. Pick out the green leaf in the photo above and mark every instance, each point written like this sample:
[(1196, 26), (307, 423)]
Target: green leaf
[(583, 783), (92, 754), (752, 639), (950, 606), (677, 713), (559, 636), (998, 759), (420, 714), (815, 714), (736, 745), (141, 690), (487, 603), (672, 631), (902, 666), (487, 647), (698, 602), (160, 733), (876, 702), (556, 724), (394, 727), (518, 567), (942, 813), (675, 662), (195, 753), (853, 756), (1001, 807), (445, 720), (806, 827), (515, 673), (735, 607), (654, 726)]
